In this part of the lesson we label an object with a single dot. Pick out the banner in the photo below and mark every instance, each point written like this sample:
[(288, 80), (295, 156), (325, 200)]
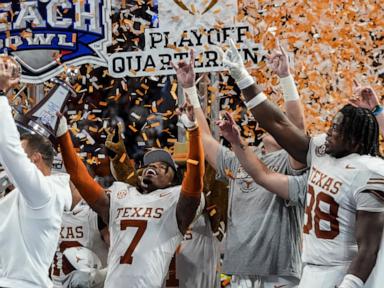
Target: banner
[(184, 25), (44, 35)]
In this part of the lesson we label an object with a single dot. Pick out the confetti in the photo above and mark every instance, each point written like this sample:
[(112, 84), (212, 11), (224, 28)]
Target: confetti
[(193, 162), (123, 157)]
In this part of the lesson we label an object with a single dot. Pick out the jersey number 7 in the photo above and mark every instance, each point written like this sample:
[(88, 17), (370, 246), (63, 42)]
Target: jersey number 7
[(320, 215), (141, 226)]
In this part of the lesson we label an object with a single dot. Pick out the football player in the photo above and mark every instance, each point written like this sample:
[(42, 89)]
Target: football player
[(147, 222), (81, 227), (199, 244), (31, 214), (344, 216)]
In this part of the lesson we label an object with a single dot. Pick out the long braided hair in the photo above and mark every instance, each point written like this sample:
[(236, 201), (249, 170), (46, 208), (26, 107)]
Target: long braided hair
[(360, 127)]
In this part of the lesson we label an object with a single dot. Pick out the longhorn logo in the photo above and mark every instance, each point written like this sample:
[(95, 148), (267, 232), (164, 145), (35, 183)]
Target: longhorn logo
[(181, 4)]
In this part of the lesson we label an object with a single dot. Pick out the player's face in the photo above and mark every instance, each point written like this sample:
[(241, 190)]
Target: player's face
[(334, 142), (157, 175)]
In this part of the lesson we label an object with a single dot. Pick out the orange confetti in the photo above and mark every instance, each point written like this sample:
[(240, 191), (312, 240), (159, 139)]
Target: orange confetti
[(123, 157)]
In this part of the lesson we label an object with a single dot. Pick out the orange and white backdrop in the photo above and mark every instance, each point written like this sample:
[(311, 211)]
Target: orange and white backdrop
[(333, 42)]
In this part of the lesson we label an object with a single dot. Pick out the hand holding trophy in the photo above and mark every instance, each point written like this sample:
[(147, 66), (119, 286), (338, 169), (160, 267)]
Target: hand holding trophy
[(10, 72)]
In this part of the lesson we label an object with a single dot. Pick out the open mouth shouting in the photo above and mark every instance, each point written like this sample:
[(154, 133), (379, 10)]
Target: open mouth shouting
[(150, 172)]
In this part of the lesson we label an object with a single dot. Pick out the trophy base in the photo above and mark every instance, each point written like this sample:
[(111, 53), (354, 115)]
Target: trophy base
[(26, 125)]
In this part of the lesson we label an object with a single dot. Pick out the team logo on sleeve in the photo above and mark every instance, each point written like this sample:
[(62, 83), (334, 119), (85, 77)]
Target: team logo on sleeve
[(122, 194), (320, 150), (43, 35)]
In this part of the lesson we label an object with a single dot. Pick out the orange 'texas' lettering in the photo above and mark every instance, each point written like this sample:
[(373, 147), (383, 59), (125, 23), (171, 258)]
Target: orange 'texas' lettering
[(69, 232), (324, 181), (139, 212)]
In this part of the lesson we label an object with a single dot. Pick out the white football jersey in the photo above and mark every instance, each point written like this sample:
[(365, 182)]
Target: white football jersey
[(335, 194), (197, 258), (79, 228), (144, 236)]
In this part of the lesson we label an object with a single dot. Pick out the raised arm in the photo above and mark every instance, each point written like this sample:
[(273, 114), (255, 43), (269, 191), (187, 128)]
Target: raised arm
[(192, 186), (89, 189), (274, 182), (268, 115), (121, 166), (186, 78), (25, 175), (279, 63), (369, 229)]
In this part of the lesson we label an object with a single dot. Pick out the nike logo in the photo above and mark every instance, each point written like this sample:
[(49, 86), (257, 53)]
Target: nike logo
[(75, 213), (164, 194), (279, 286), (349, 167)]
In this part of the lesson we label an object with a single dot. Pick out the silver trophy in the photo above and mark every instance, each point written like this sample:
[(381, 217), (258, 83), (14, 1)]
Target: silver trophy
[(42, 118)]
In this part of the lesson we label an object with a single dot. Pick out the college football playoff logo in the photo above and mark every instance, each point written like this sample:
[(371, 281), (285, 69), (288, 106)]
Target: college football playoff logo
[(43, 35), (182, 5)]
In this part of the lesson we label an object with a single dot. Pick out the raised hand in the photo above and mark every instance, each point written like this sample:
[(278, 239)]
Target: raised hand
[(364, 97), (9, 73), (233, 61), (116, 147), (185, 72), (187, 114), (279, 62), (228, 129), (62, 128)]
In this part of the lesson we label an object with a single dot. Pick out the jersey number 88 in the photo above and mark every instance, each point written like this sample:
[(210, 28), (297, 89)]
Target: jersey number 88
[(330, 217)]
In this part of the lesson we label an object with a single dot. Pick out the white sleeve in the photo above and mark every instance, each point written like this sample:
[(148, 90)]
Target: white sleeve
[(25, 175), (316, 147), (370, 196), (369, 201), (310, 152)]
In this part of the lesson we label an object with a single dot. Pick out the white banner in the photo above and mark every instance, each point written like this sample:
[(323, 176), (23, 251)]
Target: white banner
[(184, 25)]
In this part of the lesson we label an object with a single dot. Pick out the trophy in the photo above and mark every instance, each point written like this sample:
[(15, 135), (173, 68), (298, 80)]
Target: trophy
[(42, 118)]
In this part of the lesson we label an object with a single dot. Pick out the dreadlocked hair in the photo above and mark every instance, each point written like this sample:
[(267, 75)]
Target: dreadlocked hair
[(360, 127)]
